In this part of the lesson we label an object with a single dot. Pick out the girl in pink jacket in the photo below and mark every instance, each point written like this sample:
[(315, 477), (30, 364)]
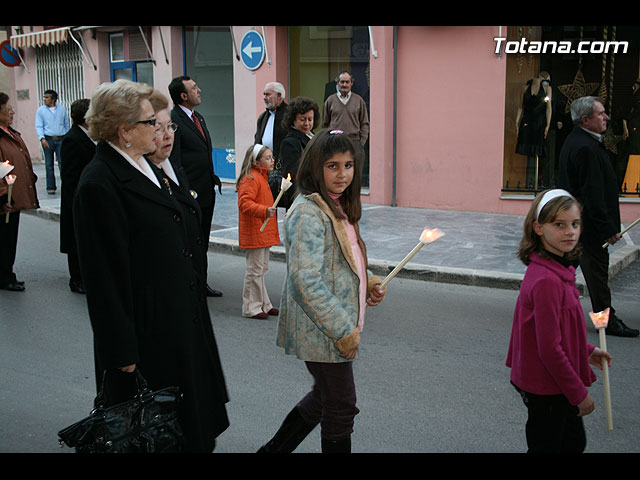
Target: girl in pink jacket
[(548, 353)]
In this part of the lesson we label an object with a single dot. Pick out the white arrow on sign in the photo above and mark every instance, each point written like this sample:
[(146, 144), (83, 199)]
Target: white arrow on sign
[(249, 50)]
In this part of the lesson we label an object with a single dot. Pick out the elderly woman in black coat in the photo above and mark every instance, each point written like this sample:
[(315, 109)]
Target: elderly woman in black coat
[(143, 263)]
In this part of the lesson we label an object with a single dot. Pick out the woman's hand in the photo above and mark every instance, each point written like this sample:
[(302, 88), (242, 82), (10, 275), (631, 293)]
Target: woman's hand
[(376, 294), (271, 212), (128, 368), (596, 357), (586, 406)]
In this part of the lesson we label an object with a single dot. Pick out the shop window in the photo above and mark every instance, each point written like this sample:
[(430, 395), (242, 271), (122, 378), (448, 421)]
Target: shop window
[(600, 67), (129, 55), (208, 53), (317, 54)]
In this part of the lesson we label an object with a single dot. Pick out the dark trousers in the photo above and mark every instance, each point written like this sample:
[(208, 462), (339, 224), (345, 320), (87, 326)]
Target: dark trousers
[(75, 276), (594, 263), (332, 400), (553, 424), (8, 246)]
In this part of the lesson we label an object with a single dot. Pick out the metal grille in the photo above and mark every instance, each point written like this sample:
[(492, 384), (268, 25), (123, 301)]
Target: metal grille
[(59, 67)]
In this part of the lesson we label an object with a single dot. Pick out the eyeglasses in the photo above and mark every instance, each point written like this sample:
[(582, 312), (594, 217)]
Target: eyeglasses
[(151, 122), (169, 127)]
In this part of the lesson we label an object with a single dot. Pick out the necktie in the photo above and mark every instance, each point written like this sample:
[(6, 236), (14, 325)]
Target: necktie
[(197, 122)]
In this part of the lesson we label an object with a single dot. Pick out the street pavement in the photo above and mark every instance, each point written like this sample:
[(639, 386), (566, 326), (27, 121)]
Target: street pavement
[(430, 377), (477, 249)]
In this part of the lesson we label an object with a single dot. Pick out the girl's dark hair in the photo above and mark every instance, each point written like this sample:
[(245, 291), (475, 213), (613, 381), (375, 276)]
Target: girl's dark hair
[(310, 176), (301, 105), (4, 98), (531, 241)]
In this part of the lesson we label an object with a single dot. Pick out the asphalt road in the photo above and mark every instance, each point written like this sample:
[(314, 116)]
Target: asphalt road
[(430, 378)]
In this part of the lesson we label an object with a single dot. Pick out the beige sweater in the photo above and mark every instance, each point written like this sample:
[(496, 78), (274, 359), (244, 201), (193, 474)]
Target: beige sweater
[(351, 118)]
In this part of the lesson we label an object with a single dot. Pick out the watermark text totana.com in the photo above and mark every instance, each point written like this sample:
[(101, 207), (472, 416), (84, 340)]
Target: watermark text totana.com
[(566, 46)]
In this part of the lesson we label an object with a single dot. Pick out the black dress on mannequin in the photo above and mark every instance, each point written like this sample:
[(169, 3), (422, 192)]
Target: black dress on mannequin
[(531, 141)]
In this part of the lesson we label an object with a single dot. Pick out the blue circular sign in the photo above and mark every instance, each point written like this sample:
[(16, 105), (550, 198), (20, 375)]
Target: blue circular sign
[(8, 55), (252, 50)]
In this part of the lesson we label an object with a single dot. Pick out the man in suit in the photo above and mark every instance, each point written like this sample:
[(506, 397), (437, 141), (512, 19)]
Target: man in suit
[(586, 172), (192, 151), (77, 150), (269, 130)]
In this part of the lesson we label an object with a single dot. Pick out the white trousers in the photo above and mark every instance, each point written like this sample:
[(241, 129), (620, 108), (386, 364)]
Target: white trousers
[(255, 298)]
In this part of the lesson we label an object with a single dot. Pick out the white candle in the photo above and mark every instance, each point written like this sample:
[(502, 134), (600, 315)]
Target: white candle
[(600, 321), (10, 181), (284, 186), (5, 167), (427, 236)]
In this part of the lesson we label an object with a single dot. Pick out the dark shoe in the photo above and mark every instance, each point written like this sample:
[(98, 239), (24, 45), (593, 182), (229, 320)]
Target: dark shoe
[(290, 434), (619, 329), (260, 316), (14, 287), (77, 287), (336, 446), (213, 293), (274, 311)]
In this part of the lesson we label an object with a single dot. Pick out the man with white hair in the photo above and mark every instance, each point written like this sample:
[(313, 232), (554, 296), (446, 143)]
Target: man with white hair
[(269, 131), (586, 172)]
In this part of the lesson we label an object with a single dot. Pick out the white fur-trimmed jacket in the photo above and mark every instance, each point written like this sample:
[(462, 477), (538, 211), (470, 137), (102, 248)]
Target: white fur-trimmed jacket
[(319, 305)]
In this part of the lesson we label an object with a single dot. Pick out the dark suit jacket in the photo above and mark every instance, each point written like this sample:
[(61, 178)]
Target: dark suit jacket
[(192, 153), (279, 132), (76, 152), (586, 172), (143, 263)]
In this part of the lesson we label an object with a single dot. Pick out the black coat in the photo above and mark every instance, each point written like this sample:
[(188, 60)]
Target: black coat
[(193, 154), (76, 151), (290, 152), (586, 172), (279, 132), (143, 262)]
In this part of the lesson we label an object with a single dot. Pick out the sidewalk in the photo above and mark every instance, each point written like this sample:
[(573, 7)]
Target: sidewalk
[(477, 249)]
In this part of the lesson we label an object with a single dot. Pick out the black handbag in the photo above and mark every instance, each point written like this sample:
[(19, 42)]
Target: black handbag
[(146, 424)]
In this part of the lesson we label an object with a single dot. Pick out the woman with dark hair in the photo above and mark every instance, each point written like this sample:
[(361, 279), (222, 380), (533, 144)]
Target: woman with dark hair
[(77, 150), (24, 197), (301, 118)]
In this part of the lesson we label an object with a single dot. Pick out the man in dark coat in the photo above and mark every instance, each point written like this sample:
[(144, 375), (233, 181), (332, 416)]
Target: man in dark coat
[(192, 151), (269, 129), (586, 172), (77, 150)]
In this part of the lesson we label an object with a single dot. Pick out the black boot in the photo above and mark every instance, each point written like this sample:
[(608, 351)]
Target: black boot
[(336, 446), (290, 434)]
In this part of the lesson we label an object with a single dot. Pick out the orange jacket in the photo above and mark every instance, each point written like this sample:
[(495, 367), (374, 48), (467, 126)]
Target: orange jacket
[(254, 197)]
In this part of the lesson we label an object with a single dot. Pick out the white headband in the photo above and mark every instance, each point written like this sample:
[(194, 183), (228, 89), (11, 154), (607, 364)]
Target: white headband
[(256, 150), (550, 195)]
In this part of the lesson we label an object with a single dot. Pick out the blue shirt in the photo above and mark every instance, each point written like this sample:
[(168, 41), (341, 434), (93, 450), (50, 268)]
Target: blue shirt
[(53, 123)]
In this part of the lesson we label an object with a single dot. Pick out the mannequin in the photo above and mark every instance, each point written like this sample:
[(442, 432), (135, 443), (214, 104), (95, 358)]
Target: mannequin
[(532, 124)]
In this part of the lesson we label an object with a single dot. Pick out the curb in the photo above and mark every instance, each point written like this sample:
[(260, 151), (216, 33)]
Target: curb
[(618, 260)]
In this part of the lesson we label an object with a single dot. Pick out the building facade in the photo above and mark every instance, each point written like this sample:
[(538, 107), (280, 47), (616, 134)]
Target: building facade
[(443, 101)]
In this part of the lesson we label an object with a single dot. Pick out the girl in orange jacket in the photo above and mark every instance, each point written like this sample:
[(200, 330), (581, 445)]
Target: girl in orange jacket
[(255, 205)]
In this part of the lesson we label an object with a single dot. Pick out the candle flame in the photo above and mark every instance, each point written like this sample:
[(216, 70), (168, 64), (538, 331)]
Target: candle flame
[(429, 235), (286, 182), (600, 319), (11, 179)]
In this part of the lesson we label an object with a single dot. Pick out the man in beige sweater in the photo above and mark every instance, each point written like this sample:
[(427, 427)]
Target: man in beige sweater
[(347, 111)]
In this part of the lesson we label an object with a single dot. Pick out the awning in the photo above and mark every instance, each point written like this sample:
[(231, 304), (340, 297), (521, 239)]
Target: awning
[(38, 39)]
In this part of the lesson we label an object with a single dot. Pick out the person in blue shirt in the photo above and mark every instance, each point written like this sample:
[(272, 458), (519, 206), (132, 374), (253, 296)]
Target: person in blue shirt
[(52, 123)]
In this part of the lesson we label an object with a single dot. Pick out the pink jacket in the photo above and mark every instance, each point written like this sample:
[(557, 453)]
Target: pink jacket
[(548, 352)]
